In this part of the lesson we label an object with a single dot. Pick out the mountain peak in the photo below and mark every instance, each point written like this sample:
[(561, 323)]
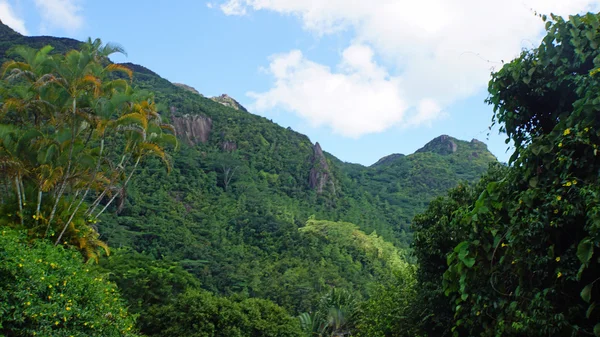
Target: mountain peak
[(188, 88), (443, 145), (226, 100), (6, 31)]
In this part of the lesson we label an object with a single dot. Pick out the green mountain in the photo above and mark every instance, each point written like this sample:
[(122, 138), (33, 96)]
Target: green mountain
[(406, 184), (241, 187), (250, 229)]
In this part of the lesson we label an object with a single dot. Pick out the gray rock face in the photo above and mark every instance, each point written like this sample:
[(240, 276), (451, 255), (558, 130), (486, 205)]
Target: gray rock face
[(226, 100), (320, 174), (193, 129), (443, 145)]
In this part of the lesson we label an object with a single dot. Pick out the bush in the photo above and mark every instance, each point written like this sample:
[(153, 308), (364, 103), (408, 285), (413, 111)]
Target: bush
[(48, 291)]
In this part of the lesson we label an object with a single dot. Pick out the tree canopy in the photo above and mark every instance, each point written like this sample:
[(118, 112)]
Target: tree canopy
[(521, 246)]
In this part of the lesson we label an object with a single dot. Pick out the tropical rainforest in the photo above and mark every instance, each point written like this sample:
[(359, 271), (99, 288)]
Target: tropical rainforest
[(132, 206)]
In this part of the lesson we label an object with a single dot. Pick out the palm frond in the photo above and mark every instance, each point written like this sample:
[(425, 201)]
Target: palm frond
[(114, 67), (93, 81), (10, 66)]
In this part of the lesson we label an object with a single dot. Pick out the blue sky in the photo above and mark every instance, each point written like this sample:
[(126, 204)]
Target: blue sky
[(363, 78)]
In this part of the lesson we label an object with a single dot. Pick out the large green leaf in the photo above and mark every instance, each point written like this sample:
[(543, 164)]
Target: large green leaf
[(585, 250), (591, 308), (469, 262), (586, 293)]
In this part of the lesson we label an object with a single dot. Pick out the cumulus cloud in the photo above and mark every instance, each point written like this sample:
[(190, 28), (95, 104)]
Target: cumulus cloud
[(436, 51), (360, 97), (64, 14), (9, 18)]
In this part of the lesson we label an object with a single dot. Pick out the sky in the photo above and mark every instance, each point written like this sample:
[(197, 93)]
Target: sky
[(364, 78)]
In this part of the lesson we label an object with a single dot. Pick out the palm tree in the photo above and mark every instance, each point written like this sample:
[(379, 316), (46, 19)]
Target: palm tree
[(335, 315), (57, 108)]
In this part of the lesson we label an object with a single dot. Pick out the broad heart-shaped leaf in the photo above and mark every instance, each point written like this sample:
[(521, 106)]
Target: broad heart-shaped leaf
[(469, 262), (585, 250), (586, 293), (597, 330), (461, 246)]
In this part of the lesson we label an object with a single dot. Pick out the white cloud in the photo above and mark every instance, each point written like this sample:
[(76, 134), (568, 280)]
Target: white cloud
[(233, 7), (9, 18), (438, 51), (64, 14), (427, 112), (357, 99)]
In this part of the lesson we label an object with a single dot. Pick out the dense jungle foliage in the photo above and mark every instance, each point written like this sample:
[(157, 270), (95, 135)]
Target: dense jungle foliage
[(517, 253), (131, 206)]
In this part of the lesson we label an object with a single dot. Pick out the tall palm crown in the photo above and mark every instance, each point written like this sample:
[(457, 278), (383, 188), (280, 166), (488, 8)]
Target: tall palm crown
[(72, 134)]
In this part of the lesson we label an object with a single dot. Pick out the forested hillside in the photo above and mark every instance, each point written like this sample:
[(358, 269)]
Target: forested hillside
[(198, 218), (236, 205)]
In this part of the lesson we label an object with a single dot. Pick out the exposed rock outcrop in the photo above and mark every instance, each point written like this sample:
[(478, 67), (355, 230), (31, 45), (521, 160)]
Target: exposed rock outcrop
[(193, 129), (188, 88), (228, 101), (443, 145), (320, 175)]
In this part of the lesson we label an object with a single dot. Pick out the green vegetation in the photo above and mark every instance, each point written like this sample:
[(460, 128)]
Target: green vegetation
[(48, 291), (70, 137), (243, 228), (517, 254), (200, 313)]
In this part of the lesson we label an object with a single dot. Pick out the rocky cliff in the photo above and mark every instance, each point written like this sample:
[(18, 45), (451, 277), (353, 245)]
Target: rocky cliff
[(320, 174), (228, 101), (192, 129)]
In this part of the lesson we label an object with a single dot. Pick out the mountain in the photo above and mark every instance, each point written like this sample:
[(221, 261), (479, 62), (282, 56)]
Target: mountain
[(10, 38), (406, 183), (228, 101), (188, 88), (241, 187)]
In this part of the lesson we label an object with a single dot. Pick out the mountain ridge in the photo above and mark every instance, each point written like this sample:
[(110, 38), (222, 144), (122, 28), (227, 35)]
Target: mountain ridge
[(224, 99), (241, 186)]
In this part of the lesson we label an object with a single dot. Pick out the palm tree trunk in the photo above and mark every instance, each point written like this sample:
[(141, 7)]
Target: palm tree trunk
[(39, 205), (66, 177), (20, 200), (22, 191), (84, 194), (99, 198), (58, 196), (94, 175), (74, 200), (96, 202), (124, 186)]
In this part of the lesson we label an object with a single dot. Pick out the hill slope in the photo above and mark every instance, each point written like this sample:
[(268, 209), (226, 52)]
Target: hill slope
[(242, 186)]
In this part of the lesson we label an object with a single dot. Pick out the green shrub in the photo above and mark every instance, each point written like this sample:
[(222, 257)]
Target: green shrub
[(48, 291), (198, 313)]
